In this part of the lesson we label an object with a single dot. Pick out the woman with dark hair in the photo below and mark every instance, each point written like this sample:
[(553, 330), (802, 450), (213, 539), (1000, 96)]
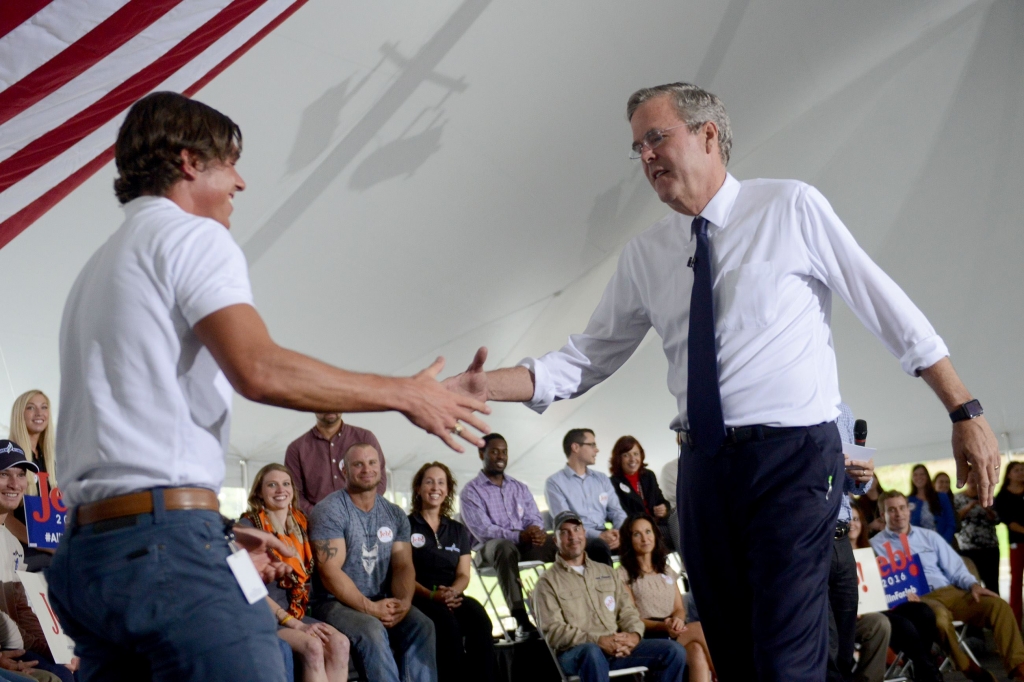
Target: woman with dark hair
[(321, 648), (868, 506), (652, 585), (1010, 507), (928, 509), (636, 485), (441, 556), (913, 622)]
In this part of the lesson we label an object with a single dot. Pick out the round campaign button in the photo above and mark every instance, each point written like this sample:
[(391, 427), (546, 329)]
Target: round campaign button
[(418, 540), (385, 534), (667, 578), (603, 498), (624, 488), (609, 602)]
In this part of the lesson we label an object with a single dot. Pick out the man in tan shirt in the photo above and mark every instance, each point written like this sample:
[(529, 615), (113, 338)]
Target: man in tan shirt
[(590, 621)]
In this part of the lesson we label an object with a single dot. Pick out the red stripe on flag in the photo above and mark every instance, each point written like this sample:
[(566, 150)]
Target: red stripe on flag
[(110, 34), (17, 12), (14, 225), (54, 142)]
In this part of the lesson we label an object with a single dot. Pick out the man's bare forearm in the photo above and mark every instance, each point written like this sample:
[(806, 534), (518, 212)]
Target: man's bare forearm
[(510, 384), (943, 379)]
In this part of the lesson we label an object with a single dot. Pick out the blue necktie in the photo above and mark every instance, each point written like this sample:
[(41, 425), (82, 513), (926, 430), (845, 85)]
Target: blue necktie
[(703, 397)]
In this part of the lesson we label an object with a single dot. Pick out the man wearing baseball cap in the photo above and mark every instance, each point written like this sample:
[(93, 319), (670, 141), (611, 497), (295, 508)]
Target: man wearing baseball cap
[(588, 618), (36, 662)]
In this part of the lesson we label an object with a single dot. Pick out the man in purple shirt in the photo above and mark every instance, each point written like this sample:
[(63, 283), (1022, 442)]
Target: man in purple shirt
[(503, 517), (316, 458)]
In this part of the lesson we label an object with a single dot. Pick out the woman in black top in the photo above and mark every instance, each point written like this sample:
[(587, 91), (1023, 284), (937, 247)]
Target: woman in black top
[(441, 557), (1010, 507), (637, 486)]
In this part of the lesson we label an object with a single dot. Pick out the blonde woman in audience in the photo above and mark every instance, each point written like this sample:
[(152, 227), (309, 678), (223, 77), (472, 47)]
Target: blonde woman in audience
[(33, 429), (653, 587), (323, 650)]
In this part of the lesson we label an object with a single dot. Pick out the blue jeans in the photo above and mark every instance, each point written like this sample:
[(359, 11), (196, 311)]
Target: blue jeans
[(664, 658), (404, 652), (156, 600)]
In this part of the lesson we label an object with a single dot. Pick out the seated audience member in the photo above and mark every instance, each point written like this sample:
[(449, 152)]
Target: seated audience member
[(637, 486), (667, 481), (943, 486), (315, 458), (868, 506), (977, 535), (652, 586), (365, 579), (503, 517), (323, 650), (441, 555), (588, 617), (587, 493), (33, 429), (955, 594), (912, 623), (1010, 507), (929, 509), (24, 630)]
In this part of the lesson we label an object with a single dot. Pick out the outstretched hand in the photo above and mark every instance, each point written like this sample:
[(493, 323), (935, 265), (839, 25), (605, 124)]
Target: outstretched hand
[(434, 408), (262, 547), (472, 382)]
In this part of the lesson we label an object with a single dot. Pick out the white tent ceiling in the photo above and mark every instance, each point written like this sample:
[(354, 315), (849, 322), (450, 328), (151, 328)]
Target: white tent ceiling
[(425, 178)]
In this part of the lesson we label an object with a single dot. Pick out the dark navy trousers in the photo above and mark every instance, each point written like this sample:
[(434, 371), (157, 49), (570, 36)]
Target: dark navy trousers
[(757, 521)]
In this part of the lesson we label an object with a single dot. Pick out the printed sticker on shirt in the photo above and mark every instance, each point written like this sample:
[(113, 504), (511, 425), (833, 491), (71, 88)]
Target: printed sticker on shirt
[(385, 534), (603, 498), (418, 540), (624, 488), (520, 510), (668, 580), (609, 602)]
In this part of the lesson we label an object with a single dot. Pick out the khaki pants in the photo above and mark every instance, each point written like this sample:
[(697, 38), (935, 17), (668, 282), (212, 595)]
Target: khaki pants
[(872, 633), (951, 603)]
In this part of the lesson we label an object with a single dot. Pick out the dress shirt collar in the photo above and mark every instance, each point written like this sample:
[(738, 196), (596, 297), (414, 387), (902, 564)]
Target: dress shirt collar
[(570, 473), (559, 561), (893, 535), (718, 209), (317, 434), (483, 479)]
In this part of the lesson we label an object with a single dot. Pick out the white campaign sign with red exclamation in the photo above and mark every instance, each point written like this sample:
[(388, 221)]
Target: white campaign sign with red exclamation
[(870, 593)]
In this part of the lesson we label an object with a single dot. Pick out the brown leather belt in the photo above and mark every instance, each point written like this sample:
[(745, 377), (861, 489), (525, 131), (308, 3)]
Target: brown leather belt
[(142, 503)]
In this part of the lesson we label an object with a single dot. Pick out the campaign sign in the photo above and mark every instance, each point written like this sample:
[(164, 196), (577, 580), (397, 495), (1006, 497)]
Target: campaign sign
[(61, 647), (870, 593), (45, 515), (901, 572)]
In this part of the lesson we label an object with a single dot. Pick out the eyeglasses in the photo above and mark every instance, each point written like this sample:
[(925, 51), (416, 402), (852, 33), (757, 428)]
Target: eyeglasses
[(652, 140), (593, 445)]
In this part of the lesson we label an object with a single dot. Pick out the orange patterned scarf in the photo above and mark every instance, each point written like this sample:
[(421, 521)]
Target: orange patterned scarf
[(297, 583)]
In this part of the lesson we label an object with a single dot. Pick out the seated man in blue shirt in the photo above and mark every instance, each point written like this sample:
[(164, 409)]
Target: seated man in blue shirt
[(955, 593), (589, 494)]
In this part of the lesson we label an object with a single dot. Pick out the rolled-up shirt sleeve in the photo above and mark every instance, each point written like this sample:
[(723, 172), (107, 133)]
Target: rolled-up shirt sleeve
[(616, 328), (877, 301)]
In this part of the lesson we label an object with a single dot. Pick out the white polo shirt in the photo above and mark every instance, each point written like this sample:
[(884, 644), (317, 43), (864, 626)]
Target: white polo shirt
[(143, 403)]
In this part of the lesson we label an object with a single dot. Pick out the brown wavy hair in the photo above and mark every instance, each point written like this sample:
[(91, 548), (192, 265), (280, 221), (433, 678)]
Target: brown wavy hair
[(256, 502), (622, 446), (930, 494), (156, 130), (627, 555), (417, 481)]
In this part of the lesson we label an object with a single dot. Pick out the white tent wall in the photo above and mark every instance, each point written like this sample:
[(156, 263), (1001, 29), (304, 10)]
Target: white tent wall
[(425, 178)]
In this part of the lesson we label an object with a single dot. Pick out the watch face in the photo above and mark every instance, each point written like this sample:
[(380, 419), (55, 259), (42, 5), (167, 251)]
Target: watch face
[(974, 409)]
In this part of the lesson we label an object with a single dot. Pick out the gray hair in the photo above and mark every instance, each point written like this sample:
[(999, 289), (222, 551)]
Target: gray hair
[(696, 107)]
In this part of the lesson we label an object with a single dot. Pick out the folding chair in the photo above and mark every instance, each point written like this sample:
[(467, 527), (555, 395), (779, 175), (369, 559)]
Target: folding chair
[(636, 673), (900, 670), (961, 634), (489, 572)]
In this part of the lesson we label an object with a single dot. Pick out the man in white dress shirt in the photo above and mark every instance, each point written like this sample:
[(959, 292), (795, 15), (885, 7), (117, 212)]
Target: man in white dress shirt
[(158, 328), (754, 374)]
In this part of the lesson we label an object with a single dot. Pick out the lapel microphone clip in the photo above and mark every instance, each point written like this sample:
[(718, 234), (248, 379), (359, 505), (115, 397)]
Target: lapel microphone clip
[(691, 262)]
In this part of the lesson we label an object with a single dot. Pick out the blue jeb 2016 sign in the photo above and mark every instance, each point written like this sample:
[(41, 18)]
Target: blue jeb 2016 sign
[(901, 572), (45, 515)]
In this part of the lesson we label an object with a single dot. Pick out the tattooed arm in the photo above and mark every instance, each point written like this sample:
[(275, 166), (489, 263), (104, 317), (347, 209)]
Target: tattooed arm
[(330, 557)]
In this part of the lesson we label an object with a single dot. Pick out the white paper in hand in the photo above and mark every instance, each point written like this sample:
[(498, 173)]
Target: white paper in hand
[(247, 576), (858, 451)]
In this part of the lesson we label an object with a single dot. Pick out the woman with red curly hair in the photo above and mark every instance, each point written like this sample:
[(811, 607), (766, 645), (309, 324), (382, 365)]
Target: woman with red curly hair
[(637, 486)]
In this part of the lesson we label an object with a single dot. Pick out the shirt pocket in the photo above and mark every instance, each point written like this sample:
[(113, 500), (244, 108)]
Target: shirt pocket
[(746, 297)]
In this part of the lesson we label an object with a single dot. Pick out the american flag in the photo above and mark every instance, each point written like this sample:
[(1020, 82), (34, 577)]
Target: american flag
[(69, 70)]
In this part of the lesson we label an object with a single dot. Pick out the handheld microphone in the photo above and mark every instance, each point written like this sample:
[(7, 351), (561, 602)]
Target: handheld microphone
[(860, 432)]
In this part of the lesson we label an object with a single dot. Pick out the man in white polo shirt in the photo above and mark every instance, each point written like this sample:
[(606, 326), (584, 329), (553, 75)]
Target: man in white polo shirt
[(157, 329)]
